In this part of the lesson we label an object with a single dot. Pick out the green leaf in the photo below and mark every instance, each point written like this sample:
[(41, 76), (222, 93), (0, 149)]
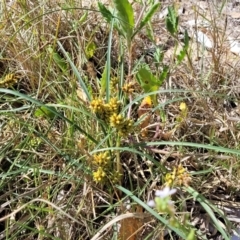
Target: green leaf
[(183, 52), (150, 33), (164, 74), (104, 80), (90, 49), (126, 18), (148, 82), (61, 63), (158, 55), (75, 71), (44, 111), (105, 12), (181, 56), (149, 15), (209, 209), (83, 18), (192, 235), (172, 20)]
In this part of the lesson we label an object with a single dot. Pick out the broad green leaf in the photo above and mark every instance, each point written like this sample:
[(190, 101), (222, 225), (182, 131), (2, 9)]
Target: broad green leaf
[(90, 49), (172, 21), (45, 112), (126, 18), (61, 63), (148, 82), (105, 12), (149, 15)]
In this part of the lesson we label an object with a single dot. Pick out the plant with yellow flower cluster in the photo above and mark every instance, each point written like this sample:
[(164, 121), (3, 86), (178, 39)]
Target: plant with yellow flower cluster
[(183, 112), (105, 110), (123, 125), (101, 159), (109, 112), (9, 80), (179, 176), (99, 175), (104, 163), (128, 88), (114, 84)]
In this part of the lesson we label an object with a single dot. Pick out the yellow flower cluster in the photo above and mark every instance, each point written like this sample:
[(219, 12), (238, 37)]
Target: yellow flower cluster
[(105, 110), (115, 177), (104, 169), (109, 112), (8, 80), (183, 112), (113, 106), (129, 87), (97, 106), (99, 175), (102, 161), (35, 141), (114, 83), (179, 176), (123, 125)]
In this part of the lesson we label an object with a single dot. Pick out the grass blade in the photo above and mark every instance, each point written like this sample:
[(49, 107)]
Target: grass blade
[(76, 72), (206, 205)]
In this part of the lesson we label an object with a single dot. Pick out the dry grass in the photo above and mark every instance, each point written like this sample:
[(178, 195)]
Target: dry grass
[(46, 184)]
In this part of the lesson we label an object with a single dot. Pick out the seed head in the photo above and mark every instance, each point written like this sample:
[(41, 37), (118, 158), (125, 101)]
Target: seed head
[(99, 175)]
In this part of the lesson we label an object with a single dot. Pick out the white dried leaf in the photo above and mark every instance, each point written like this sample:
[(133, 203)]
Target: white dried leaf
[(204, 39), (163, 13), (234, 46)]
